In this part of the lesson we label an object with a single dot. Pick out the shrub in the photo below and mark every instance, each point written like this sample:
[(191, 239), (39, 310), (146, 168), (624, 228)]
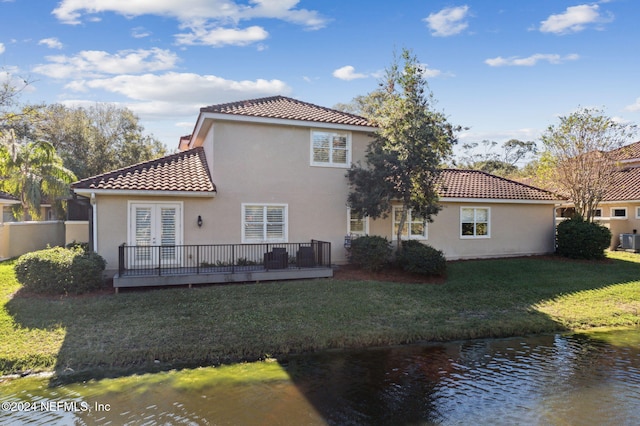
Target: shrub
[(579, 239), (421, 259), (370, 252), (60, 270)]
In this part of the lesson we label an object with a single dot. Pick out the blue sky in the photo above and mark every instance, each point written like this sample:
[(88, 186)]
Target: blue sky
[(505, 69)]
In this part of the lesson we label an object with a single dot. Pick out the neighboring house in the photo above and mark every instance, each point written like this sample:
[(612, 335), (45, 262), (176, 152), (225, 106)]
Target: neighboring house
[(619, 209), (7, 201), (17, 238), (272, 170)]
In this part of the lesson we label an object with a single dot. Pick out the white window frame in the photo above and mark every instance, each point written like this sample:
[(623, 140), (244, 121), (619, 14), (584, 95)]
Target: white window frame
[(475, 222), (285, 237), (330, 162), (156, 207), (611, 215), (597, 213), (422, 237), (365, 221), (638, 212)]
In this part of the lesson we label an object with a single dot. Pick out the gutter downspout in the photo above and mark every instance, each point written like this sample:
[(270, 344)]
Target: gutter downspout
[(94, 204)]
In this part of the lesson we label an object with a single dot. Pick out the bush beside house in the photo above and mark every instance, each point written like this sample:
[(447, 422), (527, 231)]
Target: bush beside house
[(373, 253), (60, 270), (579, 239), (421, 258), (370, 252)]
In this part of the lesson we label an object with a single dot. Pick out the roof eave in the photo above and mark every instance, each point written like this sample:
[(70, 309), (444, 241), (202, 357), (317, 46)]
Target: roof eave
[(498, 200), (216, 116), (144, 192)]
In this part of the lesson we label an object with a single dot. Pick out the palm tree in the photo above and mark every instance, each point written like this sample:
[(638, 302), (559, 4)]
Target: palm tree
[(32, 171)]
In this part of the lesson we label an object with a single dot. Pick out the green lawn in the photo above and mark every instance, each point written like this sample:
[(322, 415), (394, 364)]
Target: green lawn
[(168, 328)]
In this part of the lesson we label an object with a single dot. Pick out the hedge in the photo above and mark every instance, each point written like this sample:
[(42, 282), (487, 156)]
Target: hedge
[(60, 270)]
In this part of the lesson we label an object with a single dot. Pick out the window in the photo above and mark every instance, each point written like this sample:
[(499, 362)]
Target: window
[(474, 222), (618, 213), (357, 224), (637, 212), (597, 213), (264, 223), (330, 149), (415, 228)]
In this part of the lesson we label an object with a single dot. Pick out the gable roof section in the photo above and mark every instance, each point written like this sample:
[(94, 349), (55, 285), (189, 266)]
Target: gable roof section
[(282, 107), (6, 198), (625, 185), (626, 152), (186, 173), (475, 184)]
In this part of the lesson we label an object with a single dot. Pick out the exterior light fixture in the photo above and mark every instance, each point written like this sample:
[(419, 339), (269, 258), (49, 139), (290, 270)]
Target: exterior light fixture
[(199, 221)]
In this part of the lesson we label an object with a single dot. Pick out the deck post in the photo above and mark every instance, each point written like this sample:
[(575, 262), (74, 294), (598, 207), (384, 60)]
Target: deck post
[(197, 259), (159, 260), (233, 258)]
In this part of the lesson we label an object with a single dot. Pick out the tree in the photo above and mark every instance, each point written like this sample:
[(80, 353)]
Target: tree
[(403, 161), (31, 171), (503, 163), (93, 140), (578, 155)]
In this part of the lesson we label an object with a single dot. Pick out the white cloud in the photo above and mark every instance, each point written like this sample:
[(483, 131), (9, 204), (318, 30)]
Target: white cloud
[(96, 63), (448, 21), (634, 106), (429, 72), (217, 37), (172, 89), (529, 61), (1, 48), (140, 32), (574, 19), (348, 73), (52, 43), (72, 11)]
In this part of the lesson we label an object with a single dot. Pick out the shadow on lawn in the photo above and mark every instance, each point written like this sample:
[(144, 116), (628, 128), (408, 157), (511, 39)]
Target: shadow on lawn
[(90, 348)]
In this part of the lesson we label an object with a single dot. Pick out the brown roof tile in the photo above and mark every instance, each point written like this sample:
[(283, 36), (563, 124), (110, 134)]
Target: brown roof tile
[(458, 183), (625, 185), (627, 152), (289, 109), (185, 171), (7, 196)]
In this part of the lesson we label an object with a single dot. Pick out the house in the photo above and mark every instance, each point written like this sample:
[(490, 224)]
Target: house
[(619, 209), (272, 171)]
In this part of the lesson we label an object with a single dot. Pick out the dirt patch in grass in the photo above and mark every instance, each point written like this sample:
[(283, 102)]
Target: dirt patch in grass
[(353, 273)]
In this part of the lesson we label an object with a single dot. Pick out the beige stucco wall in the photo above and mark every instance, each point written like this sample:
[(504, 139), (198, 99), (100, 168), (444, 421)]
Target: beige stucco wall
[(266, 163), (516, 229), (620, 225), (17, 238), (76, 231)]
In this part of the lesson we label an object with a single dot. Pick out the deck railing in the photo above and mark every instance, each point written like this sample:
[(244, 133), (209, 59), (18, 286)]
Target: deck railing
[(220, 258)]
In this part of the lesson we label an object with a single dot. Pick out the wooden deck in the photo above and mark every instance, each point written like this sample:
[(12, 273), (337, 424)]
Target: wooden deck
[(223, 263), (188, 276)]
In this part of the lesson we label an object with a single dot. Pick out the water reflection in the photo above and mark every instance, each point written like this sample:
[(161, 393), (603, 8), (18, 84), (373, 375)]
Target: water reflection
[(545, 380)]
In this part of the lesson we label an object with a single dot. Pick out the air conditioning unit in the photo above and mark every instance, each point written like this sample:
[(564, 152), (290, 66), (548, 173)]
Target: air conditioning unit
[(630, 242)]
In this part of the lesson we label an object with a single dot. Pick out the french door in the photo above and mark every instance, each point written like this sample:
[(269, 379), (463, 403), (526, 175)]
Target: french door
[(152, 225)]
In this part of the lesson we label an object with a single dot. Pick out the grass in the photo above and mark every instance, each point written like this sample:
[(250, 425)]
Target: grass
[(160, 329)]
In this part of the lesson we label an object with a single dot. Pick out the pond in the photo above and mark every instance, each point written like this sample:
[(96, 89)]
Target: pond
[(574, 379)]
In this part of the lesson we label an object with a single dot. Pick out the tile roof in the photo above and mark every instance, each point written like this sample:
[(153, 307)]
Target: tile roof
[(625, 185), (457, 183), (7, 196), (185, 171), (289, 109), (627, 152)]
